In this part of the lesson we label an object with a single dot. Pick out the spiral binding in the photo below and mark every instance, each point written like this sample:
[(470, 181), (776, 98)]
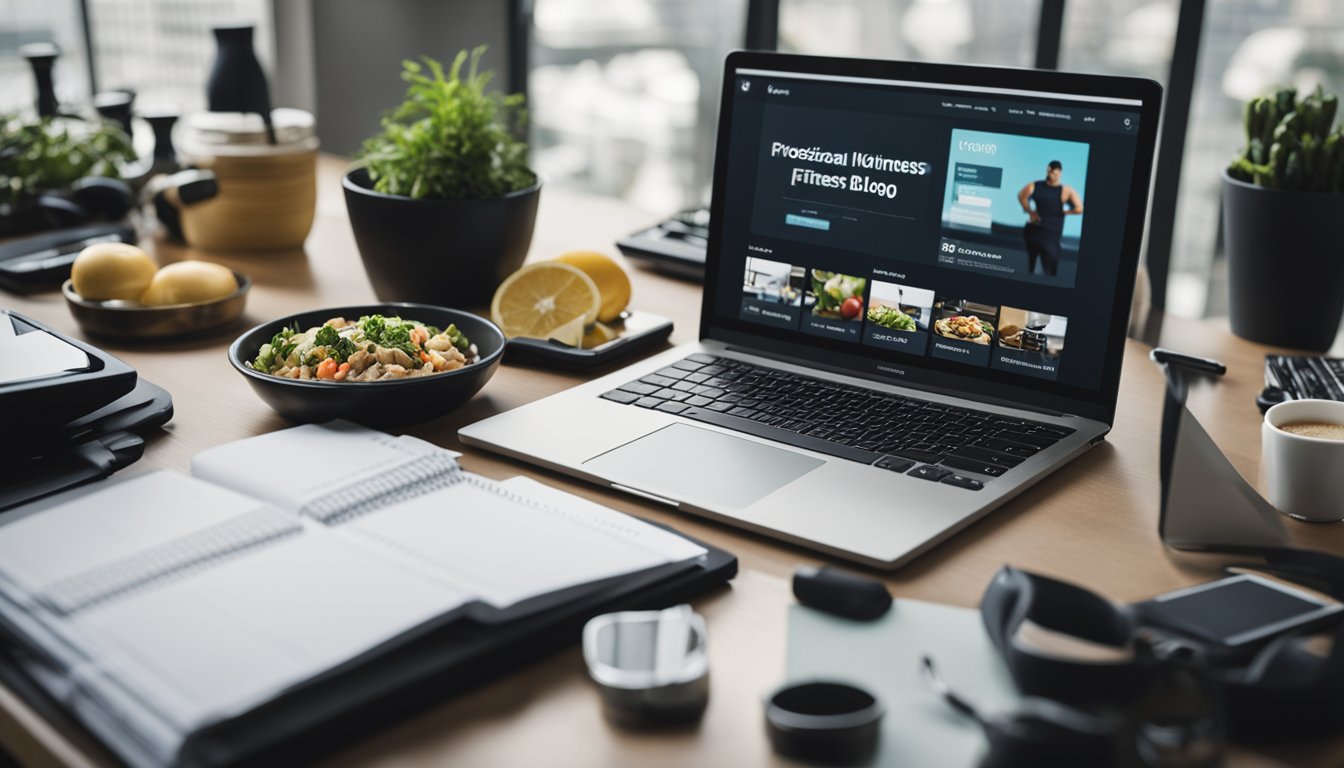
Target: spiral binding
[(432, 483), (232, 537), (168, 560), (427, 474)]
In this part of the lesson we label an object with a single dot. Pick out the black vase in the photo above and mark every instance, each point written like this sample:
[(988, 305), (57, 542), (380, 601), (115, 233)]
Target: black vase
[(451, 253), (1285, 264), (236, 82), (42, 57)]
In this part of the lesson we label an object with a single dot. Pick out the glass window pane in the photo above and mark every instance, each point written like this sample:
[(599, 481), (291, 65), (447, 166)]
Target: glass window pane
[(958, 31), (624, 95), (1119, 37), (1249, 47), (163, 49), (41, 21)]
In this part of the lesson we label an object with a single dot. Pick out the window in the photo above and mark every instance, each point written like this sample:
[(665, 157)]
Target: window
[(624, 95), (960, 31), (162, 49), (41, 21), (1247, 47)]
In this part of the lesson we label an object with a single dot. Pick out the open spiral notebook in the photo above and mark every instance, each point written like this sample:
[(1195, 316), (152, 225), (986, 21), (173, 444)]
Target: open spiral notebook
[(160, 605)]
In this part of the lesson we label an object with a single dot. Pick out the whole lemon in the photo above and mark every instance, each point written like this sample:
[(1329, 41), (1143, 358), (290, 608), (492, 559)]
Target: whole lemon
[(611, 280), (111, 271), (189, 282)]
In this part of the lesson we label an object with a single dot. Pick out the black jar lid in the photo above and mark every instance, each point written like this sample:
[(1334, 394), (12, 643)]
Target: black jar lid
[(824, 721)]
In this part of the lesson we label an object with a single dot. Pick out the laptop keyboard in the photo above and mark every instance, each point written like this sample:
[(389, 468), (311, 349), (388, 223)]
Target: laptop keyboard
[(924, 439)]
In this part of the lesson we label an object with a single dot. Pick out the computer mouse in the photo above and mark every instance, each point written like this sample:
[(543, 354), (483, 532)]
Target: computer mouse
[(843, 594), (1269, 397)]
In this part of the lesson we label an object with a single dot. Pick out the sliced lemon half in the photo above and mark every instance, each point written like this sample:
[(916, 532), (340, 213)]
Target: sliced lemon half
[(546, 300), (611, 280)]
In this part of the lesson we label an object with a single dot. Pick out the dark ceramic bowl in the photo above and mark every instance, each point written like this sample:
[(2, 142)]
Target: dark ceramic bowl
[(439, 251), (381, 403)]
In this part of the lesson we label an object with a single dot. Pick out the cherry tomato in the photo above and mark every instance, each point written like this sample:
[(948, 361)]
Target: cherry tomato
[(851, 307)]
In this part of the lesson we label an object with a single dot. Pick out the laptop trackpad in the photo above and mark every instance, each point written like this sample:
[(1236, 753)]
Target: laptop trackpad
[(709, 468)]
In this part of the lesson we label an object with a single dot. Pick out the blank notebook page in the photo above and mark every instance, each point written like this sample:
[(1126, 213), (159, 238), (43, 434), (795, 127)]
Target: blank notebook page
[(292, 467), (233, 634), (118, 521), (507, 549)]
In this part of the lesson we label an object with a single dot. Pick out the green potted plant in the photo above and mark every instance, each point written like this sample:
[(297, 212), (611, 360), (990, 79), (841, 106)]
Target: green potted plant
[(46, 166), (442, 201), (1283, 222)]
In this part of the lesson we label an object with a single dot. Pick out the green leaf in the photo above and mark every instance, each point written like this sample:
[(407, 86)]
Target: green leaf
[(53, 153), (450, 138)]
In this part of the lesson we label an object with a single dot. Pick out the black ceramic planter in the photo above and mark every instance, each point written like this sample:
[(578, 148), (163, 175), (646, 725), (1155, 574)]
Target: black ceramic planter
[(1285, 263), (446, 252)]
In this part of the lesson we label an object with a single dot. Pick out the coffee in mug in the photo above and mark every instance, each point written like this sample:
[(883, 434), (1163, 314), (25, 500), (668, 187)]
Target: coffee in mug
[(1325, 430), (1302, 452)]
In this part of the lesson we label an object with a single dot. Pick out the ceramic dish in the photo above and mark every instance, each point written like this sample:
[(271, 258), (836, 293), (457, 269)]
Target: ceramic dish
[(123, 319), (380, 403)]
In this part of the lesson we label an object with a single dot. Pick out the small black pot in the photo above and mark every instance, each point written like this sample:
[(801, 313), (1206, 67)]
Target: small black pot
[(1285, 264), (445, 252)]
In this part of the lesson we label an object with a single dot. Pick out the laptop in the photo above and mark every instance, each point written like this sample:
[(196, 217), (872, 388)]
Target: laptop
[(917, 285)]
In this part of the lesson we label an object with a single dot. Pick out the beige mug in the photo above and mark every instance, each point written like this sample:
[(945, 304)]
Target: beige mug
[(266, 193)]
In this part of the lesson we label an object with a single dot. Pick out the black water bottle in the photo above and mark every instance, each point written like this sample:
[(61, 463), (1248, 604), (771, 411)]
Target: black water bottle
[(236, 82)]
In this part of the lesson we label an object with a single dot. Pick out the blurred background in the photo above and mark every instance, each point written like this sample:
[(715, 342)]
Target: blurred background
[(623, 93)]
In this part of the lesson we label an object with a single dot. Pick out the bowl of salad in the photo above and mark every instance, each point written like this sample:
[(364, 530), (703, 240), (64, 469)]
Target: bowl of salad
[(380, 364)]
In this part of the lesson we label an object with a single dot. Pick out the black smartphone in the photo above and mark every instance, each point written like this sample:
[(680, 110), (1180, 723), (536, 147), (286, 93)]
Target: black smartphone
[(637, 332), (1239, 613)]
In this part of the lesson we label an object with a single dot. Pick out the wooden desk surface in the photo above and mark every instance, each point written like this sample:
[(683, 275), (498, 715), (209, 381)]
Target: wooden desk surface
[(1094, 522)]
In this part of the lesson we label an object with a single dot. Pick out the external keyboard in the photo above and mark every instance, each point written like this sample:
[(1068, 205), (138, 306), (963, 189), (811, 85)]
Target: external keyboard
[(924, 439)]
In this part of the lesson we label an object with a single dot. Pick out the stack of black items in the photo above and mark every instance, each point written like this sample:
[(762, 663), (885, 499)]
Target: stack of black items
[(75, 413)]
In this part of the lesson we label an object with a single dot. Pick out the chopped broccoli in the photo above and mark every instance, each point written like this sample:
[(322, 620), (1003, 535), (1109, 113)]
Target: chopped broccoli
[(326, 336)]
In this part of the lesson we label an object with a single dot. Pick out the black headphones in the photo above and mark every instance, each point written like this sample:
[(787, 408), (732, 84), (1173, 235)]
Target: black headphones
[(89, 200), (1164, 699)]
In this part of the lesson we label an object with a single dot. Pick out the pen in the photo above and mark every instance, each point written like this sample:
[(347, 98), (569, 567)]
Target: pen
[(1207, 365)]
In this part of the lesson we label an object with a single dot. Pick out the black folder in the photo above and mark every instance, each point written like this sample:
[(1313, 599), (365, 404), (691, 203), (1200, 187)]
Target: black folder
[(419, 670)]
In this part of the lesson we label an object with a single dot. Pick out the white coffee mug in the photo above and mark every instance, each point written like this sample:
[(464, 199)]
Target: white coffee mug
[(1305, 474)]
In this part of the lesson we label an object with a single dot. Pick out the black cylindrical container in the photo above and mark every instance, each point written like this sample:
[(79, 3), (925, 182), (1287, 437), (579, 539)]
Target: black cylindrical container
[(1285, 264), (448, 252)]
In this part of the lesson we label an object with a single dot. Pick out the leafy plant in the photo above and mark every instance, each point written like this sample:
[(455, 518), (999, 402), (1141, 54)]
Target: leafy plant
[(53, 153), (450, 138), (1290, 144)]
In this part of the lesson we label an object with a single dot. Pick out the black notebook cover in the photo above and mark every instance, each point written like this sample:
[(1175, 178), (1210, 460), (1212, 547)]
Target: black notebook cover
[(402, 679)]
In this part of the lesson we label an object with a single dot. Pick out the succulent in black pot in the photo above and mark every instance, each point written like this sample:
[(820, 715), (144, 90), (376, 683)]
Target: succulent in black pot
[(1283, 199)]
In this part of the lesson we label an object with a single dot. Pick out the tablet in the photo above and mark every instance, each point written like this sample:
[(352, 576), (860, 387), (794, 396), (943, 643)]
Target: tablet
[(1239, 611)]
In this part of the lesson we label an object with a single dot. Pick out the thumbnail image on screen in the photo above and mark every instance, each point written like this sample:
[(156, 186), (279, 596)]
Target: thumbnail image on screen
[(900, 307), (772, 292), (1013, 206), (898, 317), (1030, 342), (962, 330), (833, 304)]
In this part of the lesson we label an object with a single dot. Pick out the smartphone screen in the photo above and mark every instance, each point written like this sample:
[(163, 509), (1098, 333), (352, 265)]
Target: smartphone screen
[(36, 354), (1238, 610)]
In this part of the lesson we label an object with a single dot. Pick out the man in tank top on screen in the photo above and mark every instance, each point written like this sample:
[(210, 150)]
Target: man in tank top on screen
[(1052, 200)]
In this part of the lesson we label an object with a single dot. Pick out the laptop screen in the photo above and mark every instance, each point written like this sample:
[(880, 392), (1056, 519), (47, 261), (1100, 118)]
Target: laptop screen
[(958, 236)]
